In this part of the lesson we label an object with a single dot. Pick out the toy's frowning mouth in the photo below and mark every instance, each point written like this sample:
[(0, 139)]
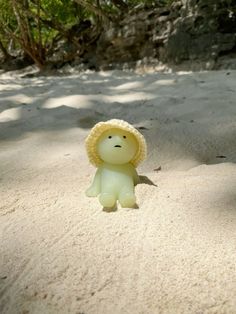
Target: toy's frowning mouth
[(117, 146)]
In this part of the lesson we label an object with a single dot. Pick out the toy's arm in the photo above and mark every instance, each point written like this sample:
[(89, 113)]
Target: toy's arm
[(94, 189), (136, 177)]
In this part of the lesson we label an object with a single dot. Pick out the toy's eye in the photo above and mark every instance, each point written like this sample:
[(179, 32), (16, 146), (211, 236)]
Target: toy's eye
[(124, 136), (109, 136)]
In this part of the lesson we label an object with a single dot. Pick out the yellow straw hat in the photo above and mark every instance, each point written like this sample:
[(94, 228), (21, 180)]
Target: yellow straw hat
[(99, 128)]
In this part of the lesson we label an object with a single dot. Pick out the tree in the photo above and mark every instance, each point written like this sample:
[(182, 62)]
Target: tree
[(35, 26), (32, 25)]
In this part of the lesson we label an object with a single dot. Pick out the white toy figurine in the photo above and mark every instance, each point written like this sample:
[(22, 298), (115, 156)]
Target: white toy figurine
[(116, 148)]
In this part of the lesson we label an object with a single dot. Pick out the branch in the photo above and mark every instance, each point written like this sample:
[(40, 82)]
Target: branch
[(39, 29), (120, 4), (4, 51), (93, 8)]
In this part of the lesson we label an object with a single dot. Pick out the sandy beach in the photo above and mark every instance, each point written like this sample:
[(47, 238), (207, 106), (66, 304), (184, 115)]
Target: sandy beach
[(60, 252)]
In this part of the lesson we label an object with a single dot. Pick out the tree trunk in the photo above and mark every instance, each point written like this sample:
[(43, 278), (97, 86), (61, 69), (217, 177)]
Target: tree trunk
[(32, 47), (6, 55)]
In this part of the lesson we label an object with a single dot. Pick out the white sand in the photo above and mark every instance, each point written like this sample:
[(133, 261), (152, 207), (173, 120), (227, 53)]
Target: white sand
[(61, 253)]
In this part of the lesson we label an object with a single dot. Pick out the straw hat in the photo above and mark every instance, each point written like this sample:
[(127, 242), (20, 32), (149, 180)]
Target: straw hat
[(99, 128)]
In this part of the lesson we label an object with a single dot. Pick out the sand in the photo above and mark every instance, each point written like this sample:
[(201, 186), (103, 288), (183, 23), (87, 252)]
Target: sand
[(60, 252)]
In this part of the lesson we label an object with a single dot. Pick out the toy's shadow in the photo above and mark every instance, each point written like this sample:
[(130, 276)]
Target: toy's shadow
[(135, 206), (146, 180), (115, 208), (110, 209)]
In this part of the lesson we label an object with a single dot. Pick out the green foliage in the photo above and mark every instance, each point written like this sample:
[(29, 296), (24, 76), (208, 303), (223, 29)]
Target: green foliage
[(7, 15), (62, 10), (6, 11), (35, 24)]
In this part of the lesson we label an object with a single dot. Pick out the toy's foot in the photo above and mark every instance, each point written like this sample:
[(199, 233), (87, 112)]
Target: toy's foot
[(127, 200), (107, 200)]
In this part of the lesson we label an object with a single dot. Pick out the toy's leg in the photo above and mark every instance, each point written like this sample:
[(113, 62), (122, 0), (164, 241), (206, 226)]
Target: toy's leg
[(127, 197), (107, 199)]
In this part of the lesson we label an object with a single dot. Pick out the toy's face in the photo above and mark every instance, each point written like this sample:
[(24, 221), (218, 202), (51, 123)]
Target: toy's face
[(117, 147)]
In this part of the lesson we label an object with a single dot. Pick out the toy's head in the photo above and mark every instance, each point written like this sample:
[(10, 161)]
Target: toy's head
[(116, 146), (116, 142)]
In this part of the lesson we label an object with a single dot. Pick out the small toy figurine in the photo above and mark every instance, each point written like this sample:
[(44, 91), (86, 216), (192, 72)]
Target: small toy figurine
[(116, 148)]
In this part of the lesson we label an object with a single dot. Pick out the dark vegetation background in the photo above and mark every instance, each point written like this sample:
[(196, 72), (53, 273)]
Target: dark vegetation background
[(106, 33)]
